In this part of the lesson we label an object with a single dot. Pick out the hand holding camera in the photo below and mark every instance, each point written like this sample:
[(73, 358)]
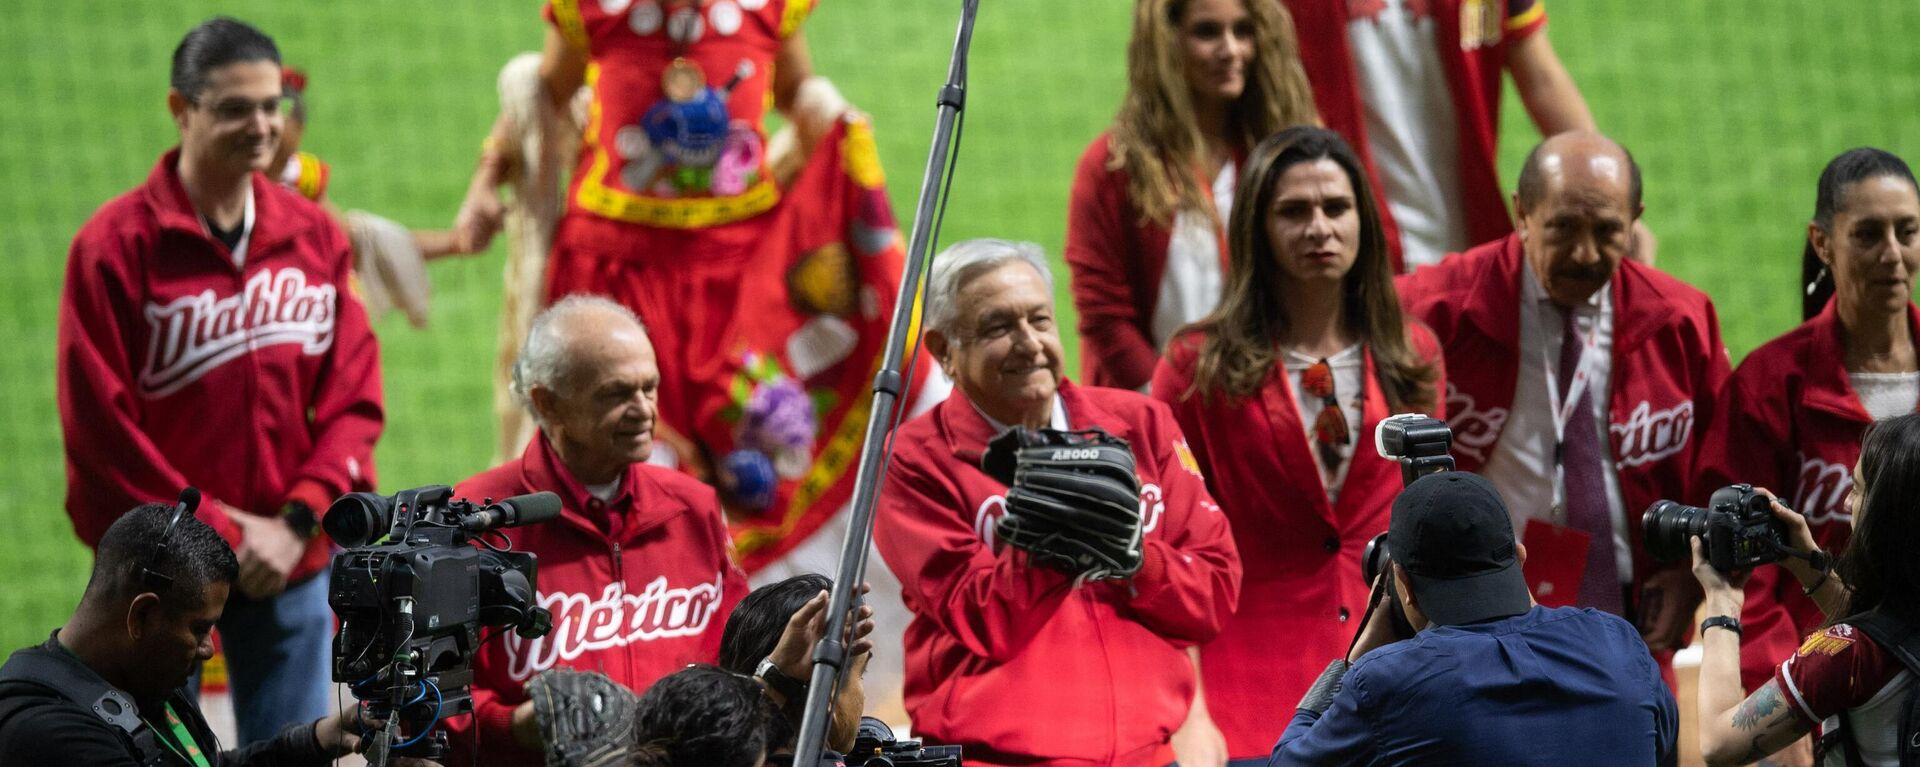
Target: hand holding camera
[(1741, 527)]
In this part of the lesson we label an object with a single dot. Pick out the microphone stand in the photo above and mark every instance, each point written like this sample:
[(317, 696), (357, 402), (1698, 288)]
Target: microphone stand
[(830, 655)]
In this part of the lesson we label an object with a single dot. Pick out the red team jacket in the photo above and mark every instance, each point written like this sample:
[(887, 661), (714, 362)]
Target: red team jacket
[(257, 384), (1668, 366), (1117, 261), (636, 595), (1789, 421), (1012, 661), (1303, 593), (1473, 38)]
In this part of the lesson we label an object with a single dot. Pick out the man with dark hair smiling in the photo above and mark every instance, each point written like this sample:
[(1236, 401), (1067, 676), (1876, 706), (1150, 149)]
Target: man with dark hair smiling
[(208, 336), (105, 690), (1489, 671)]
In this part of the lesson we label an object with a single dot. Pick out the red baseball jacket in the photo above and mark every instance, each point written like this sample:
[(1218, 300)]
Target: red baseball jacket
[(1117, 259), (1789, 421), (1473, 38), (1305, 584), (1015, 663), (1668, 366), (258, 384), (639, 587)]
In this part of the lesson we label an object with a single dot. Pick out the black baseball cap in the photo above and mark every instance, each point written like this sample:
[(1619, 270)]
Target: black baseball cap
[(1451, 533)]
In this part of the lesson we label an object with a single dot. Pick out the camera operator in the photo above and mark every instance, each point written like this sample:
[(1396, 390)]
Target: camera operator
[(1489, 671), (1020, 652), (1855, 675), (636, 570), (771, 634), (106, 689)]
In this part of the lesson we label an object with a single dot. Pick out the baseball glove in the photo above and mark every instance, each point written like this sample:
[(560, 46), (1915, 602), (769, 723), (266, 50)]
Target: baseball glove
[(586, 719), (1073, 500)]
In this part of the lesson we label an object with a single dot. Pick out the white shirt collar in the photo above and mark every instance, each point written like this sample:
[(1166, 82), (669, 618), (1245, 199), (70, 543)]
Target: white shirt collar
[(1057, 422)]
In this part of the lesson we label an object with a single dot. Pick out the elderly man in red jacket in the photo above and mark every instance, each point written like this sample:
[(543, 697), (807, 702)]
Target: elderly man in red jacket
[(208, 338), (1590, 372), (636, 570), (1018, 663)]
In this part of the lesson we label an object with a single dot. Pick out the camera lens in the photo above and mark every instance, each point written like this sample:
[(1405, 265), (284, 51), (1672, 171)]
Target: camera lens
[(1669, 526), (1374, 558), (357, 519)]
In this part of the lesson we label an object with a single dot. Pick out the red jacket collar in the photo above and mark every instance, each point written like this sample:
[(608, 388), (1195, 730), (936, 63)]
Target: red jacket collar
[(1825, 364), (640, 499), (1639, 303), (273, 221), (967, 431)]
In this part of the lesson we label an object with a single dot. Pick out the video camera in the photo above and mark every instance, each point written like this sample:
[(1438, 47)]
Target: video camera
[(412, 595), (875, 746), (1737, 529)]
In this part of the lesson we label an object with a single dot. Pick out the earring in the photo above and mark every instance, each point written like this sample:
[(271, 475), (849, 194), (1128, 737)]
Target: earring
[(1817, 278)]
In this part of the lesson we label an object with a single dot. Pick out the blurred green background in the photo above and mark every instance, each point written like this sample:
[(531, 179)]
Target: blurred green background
[(1732, 109)]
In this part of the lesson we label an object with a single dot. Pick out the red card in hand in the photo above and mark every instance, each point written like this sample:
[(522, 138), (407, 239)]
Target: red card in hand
[(1556, 562)]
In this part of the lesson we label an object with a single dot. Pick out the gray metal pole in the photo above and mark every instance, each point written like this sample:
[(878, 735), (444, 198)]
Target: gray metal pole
[(830, 655)]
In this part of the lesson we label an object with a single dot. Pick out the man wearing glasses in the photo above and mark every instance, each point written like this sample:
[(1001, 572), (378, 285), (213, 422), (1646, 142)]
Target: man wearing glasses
[(208, 337)]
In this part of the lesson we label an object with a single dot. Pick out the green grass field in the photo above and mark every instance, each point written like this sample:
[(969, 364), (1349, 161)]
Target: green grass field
[(1732, 108)]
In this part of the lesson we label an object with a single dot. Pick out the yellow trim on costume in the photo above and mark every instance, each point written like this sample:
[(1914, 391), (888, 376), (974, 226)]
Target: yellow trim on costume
[(1527, 17), (566, 16), (669, 213), (312, 181), (795, 13), (860, 155)]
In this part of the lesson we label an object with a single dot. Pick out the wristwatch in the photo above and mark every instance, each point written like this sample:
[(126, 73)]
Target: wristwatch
[(1727, 622), (300, 518), (790, 688)]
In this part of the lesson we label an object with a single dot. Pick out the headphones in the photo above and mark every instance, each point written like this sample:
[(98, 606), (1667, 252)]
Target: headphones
[(156, 581)]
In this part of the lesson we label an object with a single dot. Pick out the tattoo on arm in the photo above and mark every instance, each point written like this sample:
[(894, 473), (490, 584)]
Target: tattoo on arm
[(1755, 752), (1757, 708)]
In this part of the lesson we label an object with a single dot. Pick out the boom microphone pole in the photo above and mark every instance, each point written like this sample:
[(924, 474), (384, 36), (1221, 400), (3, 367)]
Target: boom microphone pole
[(830, 655)]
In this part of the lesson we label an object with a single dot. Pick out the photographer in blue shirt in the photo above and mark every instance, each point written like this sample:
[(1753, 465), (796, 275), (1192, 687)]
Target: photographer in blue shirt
[(1489, 677)]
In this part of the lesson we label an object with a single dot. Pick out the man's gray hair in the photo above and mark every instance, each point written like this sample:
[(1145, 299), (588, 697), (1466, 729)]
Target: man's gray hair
[(962, 261), (543, 358)]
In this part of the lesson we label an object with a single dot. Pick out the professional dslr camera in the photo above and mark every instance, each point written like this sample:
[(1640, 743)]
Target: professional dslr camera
[(1421, 445), (1737, 529), (412, 594), (875, 746)]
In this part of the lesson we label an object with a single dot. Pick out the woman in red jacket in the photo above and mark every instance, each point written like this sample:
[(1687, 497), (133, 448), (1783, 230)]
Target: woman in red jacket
[(1277, 391), (1794, 412), (1205, 80)]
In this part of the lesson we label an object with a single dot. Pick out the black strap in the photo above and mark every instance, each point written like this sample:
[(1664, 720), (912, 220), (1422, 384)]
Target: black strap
[(40, 668), (88, 690), (1901, 638)]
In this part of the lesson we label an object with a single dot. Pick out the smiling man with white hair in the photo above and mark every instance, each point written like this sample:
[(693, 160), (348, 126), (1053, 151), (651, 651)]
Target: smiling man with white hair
[(1016, 661), (636, 570)]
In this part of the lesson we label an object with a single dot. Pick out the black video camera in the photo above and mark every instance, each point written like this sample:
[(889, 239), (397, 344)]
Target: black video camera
[(875, 746), (412, 595), (1737, 528)]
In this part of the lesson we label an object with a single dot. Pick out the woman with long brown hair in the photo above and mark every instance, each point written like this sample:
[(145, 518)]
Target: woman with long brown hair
[(1277, 391), (1206, 79)]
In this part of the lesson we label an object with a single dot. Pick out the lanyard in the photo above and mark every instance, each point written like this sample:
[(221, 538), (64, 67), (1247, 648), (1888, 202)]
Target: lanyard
[(182, 743), (1562, 412)]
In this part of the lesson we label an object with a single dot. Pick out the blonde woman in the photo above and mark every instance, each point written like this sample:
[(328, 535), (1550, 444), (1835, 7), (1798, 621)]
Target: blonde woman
[(1207, 79)]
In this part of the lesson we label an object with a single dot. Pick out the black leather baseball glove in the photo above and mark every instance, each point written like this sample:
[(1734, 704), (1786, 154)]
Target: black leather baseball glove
[(1073, 499), (586, 719)]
